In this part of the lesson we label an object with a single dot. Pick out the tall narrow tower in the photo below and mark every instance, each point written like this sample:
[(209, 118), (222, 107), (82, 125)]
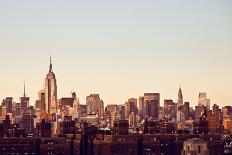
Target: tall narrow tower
[(180, 101), (180, 98), (24, 90), (24, 100), (50, 91)]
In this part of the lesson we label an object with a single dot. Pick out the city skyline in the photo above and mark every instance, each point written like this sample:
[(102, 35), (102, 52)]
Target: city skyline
[(48, 93), (118, 49)]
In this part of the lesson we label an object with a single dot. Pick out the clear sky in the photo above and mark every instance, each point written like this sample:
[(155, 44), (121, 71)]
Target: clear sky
[(118, 48)]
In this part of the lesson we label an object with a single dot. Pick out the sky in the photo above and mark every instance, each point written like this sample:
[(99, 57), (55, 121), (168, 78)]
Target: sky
[(119, 49)]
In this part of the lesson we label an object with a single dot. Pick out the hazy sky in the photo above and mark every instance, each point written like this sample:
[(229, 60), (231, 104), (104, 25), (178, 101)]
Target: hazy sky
[(118, 48)]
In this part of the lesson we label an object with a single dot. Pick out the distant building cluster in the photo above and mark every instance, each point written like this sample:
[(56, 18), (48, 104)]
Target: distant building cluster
[(140, 126)]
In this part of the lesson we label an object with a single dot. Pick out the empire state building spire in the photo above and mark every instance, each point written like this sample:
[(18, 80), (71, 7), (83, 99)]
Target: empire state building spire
[(50, 67)]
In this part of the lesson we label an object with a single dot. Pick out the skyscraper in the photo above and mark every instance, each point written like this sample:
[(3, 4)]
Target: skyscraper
[(203, 100), (180, 98), (142, 109), (24, 101), (48, 96), (152, 102), (179, 114), (95, 105), (169, 110), (8, 102), (131, 107)]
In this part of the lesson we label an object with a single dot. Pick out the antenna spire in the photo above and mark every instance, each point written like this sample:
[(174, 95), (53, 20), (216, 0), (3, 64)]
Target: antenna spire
[(24, 90), (50, 67)]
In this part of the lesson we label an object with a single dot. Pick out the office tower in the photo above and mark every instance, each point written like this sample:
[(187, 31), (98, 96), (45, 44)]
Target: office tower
[(169, 110), (186, 110), (76, 106), (111, 108), (18, 109), (215, 109), (83, 110), (7, 124), (199, 111), (203, 100), (95, 105), (47, 101), (152, 103), (115, 112), (131, 106), (161, 112), (40, 103), (217, 112), (180, 98), (121, 111), (226, 111), (132, 120), (69, 103), (191, 113), (8, 103), (50, 91), (142, 109), (24, 101), (27, 123), (101, 110), (44, 128), (213, 125)]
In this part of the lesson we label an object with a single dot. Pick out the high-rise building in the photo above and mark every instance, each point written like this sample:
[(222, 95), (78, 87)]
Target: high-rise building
[(179, 112), (215, 109), (69, 106), (152, 104), (44, 128), (186, 110), (27, 123), (142, 109), (199, 111), (226, 111), (132, 120), (213, 125), (101, 110), (95, 105), (24, 101), (180, 98), (50, 91), (217, 112), (203, 100), (40, 103), (131, 107), (111, 108), (8, 102), (47, 101), (169, 110)]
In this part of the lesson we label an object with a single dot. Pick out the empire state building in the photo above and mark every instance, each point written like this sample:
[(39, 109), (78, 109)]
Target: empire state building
[(50, 91)]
